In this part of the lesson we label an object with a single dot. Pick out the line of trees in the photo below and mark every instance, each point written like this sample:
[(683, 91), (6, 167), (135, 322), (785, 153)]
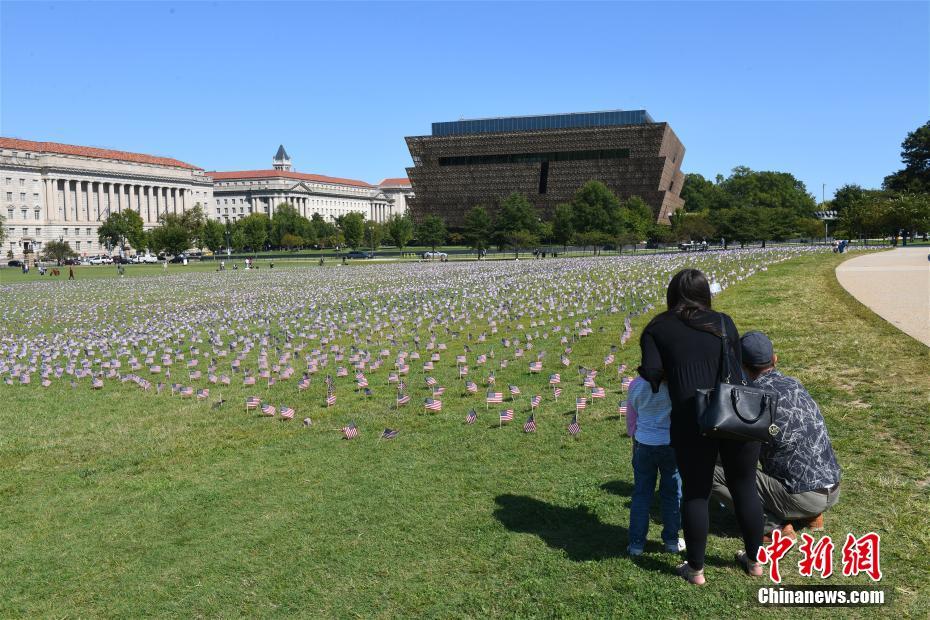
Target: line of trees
[(901, 206)]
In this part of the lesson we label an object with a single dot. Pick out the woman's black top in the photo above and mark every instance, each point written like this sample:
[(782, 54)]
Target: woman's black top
[(687, 354)]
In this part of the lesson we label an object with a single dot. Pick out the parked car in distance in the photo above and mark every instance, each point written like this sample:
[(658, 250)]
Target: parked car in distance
[(145, 258), (180, 258), (15, 263), (434, 255), (358, 254), (71, 261), (691, 246)]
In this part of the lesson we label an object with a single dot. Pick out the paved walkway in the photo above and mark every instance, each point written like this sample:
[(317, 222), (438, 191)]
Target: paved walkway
[(895, 285)]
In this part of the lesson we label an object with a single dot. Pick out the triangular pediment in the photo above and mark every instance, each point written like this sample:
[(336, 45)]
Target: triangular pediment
[(301, 188)]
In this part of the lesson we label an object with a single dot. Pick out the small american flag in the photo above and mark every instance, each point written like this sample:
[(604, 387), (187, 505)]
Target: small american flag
[(203, 393), (250, 380), (621, 408), (507, 415), (589, 381), (286, 412), (555, 379), (514, 390), (535, 366), (350, 430), (535, 401), (580, 403), (573, 428), (471, 387), (472, 417), (556, 392), (187, 391), (494, 397), (430, 381), (252, 402), (438, 391), (625, 384), (268, 410), (402, 399), (530, 425), (96, 384), (389, 433), (598, 392), (304, 383), (433, 404)]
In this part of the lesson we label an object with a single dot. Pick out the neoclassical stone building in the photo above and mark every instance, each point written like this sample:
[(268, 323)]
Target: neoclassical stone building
[(54, 191), (239, 193)]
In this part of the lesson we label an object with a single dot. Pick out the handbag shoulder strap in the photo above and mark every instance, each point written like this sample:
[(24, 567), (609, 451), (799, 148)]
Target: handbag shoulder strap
[(724, 374)]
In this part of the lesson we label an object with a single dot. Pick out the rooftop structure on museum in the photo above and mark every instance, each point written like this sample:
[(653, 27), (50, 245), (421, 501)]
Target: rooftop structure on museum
[(473, 162)]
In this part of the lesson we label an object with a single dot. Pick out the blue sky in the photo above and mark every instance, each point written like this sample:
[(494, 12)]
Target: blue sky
[(826, 91)]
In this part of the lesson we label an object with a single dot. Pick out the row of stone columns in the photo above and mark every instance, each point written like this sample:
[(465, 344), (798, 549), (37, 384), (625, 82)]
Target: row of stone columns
[(93, 201), (380, 212)]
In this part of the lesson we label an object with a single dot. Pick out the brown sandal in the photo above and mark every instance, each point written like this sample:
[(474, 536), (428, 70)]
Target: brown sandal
[(695, 577), (753, 569)]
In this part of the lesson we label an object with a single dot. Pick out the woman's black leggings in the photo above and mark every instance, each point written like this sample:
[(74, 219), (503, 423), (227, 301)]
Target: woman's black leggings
[(697, 456)]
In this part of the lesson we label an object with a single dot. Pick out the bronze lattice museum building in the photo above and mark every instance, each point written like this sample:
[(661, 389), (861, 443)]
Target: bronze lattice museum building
[(467, 163)]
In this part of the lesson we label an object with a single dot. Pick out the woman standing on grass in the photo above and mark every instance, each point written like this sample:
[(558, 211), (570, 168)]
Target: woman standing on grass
[(684, 344)]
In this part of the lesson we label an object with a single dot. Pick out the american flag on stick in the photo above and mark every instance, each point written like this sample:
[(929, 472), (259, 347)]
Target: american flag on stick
[(580, 403), (514, 391), (252, 402), (555, 379), (433, 404), (402, 399), (389, 433), (556, 392), (494, 398), (530, 425), (535, 401), (472, 417), (268, 410), (573, 428), (286, 412), (350, 430), (506, 415), (625, 384), (622, 408), (203, 393), (471, 387), (598, 392)]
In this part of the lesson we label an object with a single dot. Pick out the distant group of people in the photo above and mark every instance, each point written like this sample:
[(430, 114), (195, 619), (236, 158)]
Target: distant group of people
[(839, 247), (783, 485)]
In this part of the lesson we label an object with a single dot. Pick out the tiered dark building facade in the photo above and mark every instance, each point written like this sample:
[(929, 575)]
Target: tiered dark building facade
[(478, 162)]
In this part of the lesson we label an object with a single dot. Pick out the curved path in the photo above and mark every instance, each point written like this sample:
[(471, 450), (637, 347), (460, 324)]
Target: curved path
[(895, 285)]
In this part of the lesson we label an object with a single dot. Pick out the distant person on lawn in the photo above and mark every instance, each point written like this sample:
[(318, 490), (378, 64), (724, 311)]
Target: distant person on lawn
[(648, 418), (800, 477)]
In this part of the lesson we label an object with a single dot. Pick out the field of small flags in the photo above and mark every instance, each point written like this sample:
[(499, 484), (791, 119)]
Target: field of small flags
[(379, 441)]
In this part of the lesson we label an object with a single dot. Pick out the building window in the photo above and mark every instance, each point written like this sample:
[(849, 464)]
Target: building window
[(22, 196), (24, 213), (77, 245), (37, 213), (9, 181), (38, 232), (9, 214), (22, 182), (9, 196)]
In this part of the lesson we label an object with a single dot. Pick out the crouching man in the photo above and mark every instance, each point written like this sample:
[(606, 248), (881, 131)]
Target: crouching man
[(799, 478)]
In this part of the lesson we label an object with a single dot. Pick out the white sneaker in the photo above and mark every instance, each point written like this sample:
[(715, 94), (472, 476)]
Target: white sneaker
[(675, 547)]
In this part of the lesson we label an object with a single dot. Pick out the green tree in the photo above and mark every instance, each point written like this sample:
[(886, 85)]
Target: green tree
[(171, 235), (742, 225), (291, 241), (254, 229), (286, 220), (194, 220), (352, 226), (237, 239), (749, 188), (478, 229), (326, 233), (847, 196), (400, 230), (432, 232), (915, 154), (517, 221), (57, 251), (595, 209), (701, 194), (563, 224), (121, 227), (521, 240), (374, 233), (692, 226), (214, 235), (2, 230)]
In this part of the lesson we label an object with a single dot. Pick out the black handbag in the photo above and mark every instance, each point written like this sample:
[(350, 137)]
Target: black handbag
[(736, 411)]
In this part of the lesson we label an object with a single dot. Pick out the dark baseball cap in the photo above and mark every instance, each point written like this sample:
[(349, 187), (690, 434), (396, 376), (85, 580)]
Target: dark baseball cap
[(757, 349)]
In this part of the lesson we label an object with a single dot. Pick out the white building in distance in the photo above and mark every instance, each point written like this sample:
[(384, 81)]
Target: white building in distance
[(53, 191), (239, 193)]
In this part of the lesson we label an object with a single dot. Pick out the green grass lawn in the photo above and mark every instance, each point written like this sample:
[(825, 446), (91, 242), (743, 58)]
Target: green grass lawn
[(126, 504)]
